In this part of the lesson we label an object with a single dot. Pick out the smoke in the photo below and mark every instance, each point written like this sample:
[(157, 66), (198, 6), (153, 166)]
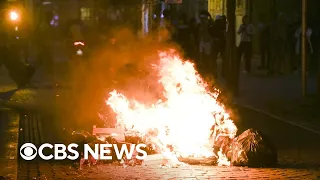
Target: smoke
[(127, 65)]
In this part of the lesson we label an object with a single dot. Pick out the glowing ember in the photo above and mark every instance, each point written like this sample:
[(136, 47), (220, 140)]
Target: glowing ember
[(184, 120)]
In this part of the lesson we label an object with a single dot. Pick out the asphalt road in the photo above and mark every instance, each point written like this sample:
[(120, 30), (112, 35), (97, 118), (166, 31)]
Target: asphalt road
[(297, 149)]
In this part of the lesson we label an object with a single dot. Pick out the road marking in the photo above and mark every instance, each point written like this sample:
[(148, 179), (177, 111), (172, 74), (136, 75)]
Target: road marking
[(279, 118)]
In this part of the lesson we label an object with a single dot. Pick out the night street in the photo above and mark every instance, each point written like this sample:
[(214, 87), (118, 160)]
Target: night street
[(159, 89), (297, 149)]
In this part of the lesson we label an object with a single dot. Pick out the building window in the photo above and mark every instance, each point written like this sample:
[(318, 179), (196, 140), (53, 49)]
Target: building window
[(86, 13)]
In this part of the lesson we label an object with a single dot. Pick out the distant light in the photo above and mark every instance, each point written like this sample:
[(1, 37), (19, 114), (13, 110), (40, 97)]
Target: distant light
[(16, 28), (79, 52), (54, 21), (46, 2), (14, 15), (154, 16), (113, 40), (162, 16), (78, 43)]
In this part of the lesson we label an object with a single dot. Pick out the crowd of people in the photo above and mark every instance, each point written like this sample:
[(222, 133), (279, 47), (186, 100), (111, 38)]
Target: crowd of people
[(278, 40), (202, 40), (280, 44)]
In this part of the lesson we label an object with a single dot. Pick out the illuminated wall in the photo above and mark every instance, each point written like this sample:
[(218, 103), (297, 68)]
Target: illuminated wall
[(216, 7)]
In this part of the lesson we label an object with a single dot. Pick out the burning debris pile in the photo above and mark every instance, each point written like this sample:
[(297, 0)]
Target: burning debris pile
[(188, 121), (107, 136), (253, 149), (188, 124)]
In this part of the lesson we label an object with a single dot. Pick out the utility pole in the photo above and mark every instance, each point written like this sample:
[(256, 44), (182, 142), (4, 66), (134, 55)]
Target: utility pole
[(232, 62), (303, 48)]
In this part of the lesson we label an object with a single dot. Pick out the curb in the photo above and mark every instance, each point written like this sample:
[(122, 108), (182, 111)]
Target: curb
[(13, 150), (278, 118), (20, 107)]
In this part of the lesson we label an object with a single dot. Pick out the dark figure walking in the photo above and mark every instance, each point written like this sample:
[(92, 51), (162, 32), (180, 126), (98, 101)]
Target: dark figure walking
[(219, 42), (280, 38), (317, 47), (182, 33), (309, 51), (44, 41), (193, 40), (245, 47), (205, 41), (264, 43), (291, 41)]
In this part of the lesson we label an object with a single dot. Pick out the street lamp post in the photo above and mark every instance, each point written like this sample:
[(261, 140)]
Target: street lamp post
[(303, 48)]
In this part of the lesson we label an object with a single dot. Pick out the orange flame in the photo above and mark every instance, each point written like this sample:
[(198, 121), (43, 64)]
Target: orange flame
[(184, 119)]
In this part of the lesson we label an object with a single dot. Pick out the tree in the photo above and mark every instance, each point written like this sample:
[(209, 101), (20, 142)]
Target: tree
[(232, 61)]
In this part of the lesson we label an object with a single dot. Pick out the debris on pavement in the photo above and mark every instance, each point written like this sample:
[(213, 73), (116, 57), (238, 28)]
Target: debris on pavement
[(250, 148), (253, 149), (83, 137), (131, 162), (107, 136), (154, 159), (117, 134)]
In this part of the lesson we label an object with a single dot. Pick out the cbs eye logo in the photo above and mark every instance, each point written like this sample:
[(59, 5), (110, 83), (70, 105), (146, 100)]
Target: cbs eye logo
[(28, 151)]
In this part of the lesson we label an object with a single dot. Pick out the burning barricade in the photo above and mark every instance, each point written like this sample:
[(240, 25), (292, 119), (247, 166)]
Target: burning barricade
[(187, 124)]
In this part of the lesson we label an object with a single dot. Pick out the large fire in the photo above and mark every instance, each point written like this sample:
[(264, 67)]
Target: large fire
[(189, 121)]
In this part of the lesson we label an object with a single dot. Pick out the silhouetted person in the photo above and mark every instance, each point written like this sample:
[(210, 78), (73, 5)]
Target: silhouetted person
[(291, 41), (264, 42), (44, 40), (245, 31), (205, 40), (193, 40), (280, 38), (309, 50), (219, 42), (317, 47), (182, 33)]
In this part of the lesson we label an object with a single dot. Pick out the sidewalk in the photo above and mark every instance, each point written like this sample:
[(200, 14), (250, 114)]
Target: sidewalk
[(22, 99), (9, 130), (27, 98), (281, 97)]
